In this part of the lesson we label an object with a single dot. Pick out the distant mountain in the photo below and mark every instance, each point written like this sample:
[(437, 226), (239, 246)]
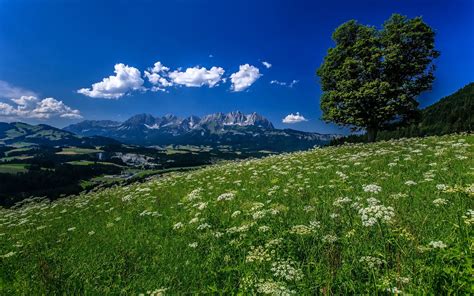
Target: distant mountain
[(95, 127), (247, 131), (42, 134)]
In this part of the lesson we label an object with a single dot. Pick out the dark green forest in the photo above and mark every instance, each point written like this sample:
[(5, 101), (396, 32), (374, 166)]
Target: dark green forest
[(451, 114)]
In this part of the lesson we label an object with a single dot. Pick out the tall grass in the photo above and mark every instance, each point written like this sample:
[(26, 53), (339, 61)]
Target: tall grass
[(384, 218)]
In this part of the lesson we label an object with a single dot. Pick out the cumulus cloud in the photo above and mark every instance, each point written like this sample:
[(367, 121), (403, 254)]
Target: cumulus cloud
[(294, 118), (282, 83), (156, 77), (32, 107), (126, 79), (197, 76), (9, 91), (244, 78), (267, 64)]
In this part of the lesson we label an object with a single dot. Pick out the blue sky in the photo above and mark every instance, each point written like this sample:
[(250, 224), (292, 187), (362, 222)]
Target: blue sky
[(52, 49)]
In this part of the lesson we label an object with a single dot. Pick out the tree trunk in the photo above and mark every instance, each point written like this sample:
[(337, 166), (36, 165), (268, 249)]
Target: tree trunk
[(372, 134)]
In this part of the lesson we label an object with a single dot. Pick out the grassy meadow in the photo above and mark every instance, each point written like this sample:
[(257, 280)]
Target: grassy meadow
[(385, 218), (13, 168)]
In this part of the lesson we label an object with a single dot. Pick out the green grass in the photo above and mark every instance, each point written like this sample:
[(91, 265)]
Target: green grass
[(87, 162), (13, 168), (24, 149), (22, 145), (304, 223), (20, 157), (74, 151)]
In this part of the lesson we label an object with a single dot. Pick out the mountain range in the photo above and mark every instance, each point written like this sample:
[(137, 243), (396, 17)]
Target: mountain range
[(239, 130), (23, 134)]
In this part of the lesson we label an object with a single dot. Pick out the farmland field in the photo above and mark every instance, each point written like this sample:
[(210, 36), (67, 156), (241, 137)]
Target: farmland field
[(74, 151), (13, 168), (386, 218)]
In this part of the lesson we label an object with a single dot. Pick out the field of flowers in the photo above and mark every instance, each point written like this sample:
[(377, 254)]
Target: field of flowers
[(388, 218)]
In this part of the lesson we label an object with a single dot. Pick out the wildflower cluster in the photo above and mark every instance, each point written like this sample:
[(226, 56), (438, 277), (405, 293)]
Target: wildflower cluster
[(376, 213), (371, 262)]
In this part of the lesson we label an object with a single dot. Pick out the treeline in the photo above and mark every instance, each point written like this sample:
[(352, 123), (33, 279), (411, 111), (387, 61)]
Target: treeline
[(63, 179), (451, 114)]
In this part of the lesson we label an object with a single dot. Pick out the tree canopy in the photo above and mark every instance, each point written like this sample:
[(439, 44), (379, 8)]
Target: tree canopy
[(372, 77)]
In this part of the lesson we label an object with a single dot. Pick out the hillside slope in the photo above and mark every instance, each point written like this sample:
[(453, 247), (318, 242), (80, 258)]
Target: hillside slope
[(16, 133), (451, 114), (357, 219)]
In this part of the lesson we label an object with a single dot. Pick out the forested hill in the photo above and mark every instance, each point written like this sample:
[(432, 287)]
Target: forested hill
[(451, 114)]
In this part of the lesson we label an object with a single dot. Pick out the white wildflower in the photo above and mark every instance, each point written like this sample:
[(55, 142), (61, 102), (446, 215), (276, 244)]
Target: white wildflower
[(371, 262), (157, 292), (259, 214), (200, 205), (127, 198), (330, 239), (203, 226), (301, 230), (193, 195), (376, 212), (9, 254), (314, 224), (469, 217), (440, 202), (341, 201), (270, 287), (342, 175), (437, 245), (178, 225), (194, 220), (394, 290), (273, 243), (226, 196), (218, 234), (372, 188), (285, 269), (258, 254)]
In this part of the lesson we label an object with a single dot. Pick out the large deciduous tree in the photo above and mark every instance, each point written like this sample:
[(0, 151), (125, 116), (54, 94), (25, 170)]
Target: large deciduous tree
[(372, 78)]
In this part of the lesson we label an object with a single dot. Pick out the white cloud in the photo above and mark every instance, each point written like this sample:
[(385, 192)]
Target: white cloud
[(32, 107), (197, 76), (282, 83), (6, 110), (51, 107), (9, 91), (26, 102), (158, 67), (125, 80), (294, 118), (155, 76), (245, 77), (267, 64)]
